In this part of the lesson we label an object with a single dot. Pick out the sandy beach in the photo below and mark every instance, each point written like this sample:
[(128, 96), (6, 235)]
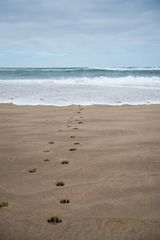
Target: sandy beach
[(79, 173)]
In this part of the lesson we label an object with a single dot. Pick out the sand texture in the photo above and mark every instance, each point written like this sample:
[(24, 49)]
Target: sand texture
[(79, 173)]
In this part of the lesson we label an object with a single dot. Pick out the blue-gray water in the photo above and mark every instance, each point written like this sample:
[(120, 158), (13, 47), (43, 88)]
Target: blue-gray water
[(65, 86), (57, 73)]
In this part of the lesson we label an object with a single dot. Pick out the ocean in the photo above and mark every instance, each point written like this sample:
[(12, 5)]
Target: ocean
[(84, 86)]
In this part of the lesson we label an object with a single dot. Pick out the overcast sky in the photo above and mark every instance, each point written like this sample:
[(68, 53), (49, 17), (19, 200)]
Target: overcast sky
[(60, 33)]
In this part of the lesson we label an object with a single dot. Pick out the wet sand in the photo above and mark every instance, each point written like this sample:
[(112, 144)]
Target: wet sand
[(79, 173)]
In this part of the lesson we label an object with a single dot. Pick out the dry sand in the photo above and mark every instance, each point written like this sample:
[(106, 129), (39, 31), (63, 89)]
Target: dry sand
[(110, 179)]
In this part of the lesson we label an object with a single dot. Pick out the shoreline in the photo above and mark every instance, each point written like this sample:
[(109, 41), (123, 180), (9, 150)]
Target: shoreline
[(89, 105), (94, 170)]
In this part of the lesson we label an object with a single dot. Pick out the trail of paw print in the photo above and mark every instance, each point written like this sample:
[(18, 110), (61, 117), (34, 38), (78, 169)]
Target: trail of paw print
[(33, 170), (46, 160), (65, 201), (51, 142), (73, 149), (4, 204), (72, 136), (65, 162), (47, 150), (75, 128), (60, 184), (54, 220)]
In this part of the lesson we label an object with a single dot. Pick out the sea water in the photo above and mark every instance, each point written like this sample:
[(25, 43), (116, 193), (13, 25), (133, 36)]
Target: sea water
[(85, 86)]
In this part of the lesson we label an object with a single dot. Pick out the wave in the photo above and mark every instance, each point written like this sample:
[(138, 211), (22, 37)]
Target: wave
[(81, 90), (60, 73), (136, 82), (125, 68)]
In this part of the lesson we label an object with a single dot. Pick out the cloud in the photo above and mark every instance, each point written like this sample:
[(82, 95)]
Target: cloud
[(79, 27), (31, 53)]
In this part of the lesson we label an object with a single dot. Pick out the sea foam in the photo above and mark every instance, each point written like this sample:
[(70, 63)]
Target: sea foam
[(84, 86)]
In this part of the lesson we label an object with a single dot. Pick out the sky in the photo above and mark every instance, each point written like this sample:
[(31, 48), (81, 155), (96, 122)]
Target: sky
[(80, 33)]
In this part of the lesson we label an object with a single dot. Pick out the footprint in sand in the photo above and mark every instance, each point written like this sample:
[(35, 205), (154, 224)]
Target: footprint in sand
[(4, 204), (72, 149), (76, 143), (46, 160), (46, 151), (78, 112), (64, 162), (72, 136), (51, 142), (54, 220), (33, 170), (68, 126), (60, 130), (80, 122), (60, 184), (65, 201), (75, 128)]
